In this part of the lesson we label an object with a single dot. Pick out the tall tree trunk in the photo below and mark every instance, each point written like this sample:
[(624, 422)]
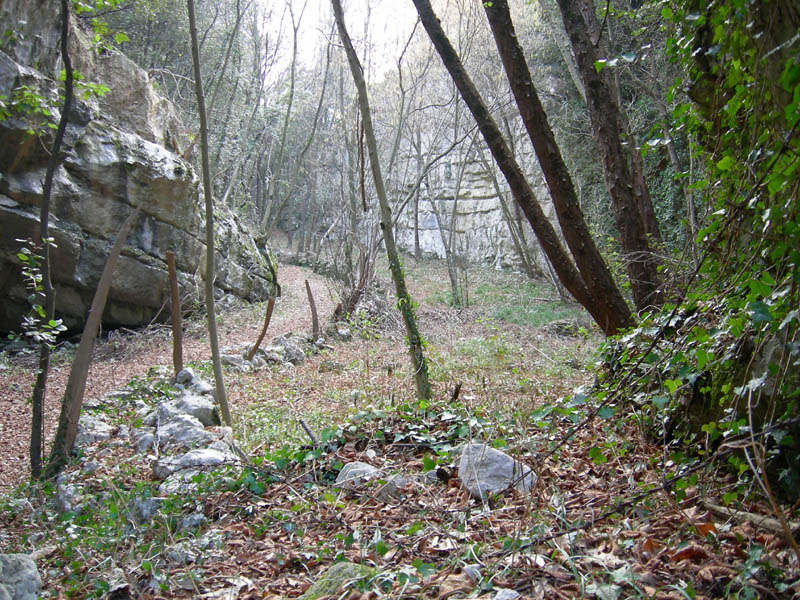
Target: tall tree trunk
[(607, 125), (418, 361), (209, 205), (40, 387), (589, 261), (607, 309)]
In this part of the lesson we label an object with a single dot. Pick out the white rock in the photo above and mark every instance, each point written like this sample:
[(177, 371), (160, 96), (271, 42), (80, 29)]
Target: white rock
[(484, 470)]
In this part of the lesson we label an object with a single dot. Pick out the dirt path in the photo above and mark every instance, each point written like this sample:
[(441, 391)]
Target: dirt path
[(123, 356)]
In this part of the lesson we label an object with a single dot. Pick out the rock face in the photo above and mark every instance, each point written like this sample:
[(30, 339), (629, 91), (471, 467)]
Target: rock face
[(19, 577), (120, 152)]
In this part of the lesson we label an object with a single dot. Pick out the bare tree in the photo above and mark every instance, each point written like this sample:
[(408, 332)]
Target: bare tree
[(209, 205), (418, 361), (40, 387)]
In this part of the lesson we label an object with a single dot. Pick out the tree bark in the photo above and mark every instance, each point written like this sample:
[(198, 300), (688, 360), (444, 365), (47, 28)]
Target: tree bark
[(625, 193), (209, 205), (418, 362), (76, 384), (587, 257), (40, 387), (175, 304), (608, 316)]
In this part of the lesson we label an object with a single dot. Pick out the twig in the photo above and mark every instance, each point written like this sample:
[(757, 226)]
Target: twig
[(308, 431)]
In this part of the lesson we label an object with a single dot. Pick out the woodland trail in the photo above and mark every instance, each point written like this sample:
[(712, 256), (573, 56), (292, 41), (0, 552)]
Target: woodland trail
[(123, 355)]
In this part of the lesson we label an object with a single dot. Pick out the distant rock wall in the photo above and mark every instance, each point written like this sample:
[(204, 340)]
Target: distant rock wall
[(482, 232), (119, 153)]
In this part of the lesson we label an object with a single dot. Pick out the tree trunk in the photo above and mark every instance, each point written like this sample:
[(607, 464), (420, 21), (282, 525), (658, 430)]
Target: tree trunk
[(607, 125), (418, 362), (610, 314), (209, 205), (76, 384), (40, 387), (587, 257)]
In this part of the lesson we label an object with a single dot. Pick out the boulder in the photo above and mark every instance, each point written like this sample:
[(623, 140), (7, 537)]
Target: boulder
[(183, 429), (19, 577), (484, 470), (91, 430), (120, 152)]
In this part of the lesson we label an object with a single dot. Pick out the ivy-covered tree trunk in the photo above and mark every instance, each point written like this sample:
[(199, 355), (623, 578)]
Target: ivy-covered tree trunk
[(623, 187), (40, 387), (404, 304)]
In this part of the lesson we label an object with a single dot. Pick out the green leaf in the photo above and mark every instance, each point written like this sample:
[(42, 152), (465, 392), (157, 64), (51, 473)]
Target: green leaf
[(629, 57), (597, 456), (121, 37), (606, 412), (726, 163), (660, 401), (759, 312)]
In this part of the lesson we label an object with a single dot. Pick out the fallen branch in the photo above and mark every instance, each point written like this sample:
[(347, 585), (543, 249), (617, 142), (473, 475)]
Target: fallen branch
[(314, 318)]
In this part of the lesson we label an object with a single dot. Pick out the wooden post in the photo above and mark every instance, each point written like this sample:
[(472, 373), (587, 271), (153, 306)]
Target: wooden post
[(177, 328), (314, 319)]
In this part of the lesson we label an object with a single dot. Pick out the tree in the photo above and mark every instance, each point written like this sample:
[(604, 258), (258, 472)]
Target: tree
[(404, 304), (208, 192), (624, 179), (40, 387), (592, 285)]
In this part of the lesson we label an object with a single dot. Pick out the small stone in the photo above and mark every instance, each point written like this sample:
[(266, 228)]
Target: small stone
[(144, 509), (185, 376), (355, 474), (192, 521), (506, 594)]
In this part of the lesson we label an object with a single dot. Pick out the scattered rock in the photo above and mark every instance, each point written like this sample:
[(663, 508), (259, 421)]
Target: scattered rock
[(355, 474), (143, 440), (185, 376), (506, 594), (144, 509), (484, 470), (391, 491), (69, 497), (182, 429), (200, 407), (292, 347), (331, 582), (330, 366), (198, 459), (192, 521), (92, 430), (19, 577), (202, 388)]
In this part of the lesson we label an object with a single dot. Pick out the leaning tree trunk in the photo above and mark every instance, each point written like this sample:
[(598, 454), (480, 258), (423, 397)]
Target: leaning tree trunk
[(576, 233), (209, 202), (418, 362), (607, 125), (78, 374), (609, 315), (40, 387)]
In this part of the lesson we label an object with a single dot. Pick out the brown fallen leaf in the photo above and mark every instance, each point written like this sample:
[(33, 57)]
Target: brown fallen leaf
[(691, 552)]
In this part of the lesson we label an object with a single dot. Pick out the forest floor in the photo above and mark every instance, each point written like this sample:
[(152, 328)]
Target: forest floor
[(599, 522)]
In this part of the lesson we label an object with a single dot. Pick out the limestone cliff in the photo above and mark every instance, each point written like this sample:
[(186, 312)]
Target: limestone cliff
[(120, 152)]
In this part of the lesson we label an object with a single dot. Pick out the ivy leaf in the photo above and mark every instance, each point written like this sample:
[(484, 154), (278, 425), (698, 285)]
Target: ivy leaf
[(597, 456), (726, 163), (629, 57), (759, 312), (606, 412), (660, 401)]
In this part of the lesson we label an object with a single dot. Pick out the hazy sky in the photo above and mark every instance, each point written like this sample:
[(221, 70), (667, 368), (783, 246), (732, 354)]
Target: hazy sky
[(390, 24)]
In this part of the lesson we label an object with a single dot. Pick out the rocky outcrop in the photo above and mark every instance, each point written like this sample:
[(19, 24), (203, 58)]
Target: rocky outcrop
[(121, 152), (19, 577)]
